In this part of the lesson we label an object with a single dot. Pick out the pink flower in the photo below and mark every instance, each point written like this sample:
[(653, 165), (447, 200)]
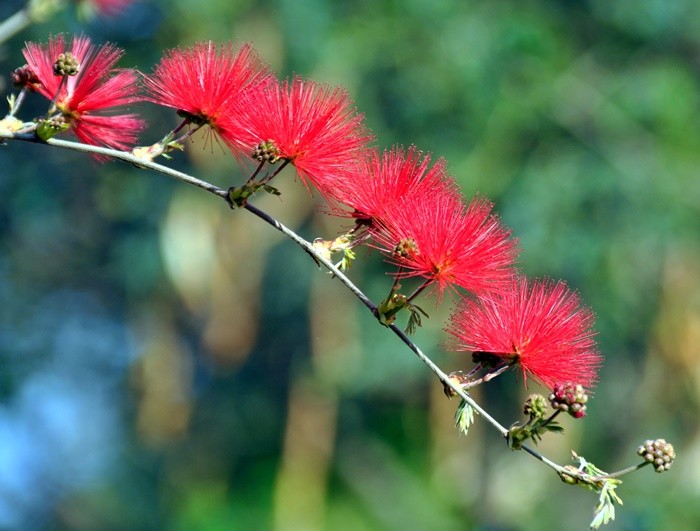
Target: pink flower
[(541, 327), (436, 237), (313, 126), (383, 179), (206, 84), (87, 99)]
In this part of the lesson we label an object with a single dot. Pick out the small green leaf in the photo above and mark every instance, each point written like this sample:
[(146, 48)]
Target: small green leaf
[(464, 416), (414, 320), (173, 146), (348, 257), (595, 479), (271, 190), (604, 512)]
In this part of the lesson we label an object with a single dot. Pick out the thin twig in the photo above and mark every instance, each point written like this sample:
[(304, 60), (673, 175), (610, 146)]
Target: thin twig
[(308, 247), (550, 463), (120, 155), (487, 377), (627, 470)]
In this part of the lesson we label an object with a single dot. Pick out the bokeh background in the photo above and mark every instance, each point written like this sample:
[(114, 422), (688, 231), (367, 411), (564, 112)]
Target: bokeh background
[(168, 364)]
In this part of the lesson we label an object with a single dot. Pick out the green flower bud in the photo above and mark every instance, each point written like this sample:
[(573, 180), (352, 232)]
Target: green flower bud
[(266, 151), (67, 64), (535, 406)]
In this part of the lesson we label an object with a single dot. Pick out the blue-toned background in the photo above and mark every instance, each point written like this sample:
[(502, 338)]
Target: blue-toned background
[(166, 363)]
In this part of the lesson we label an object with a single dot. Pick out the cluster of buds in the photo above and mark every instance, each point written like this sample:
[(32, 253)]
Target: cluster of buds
[(50, 127), (406, 248), (67, 64), (535, 406), (569, 397), (659, 453), (266, 151), (24, 77)]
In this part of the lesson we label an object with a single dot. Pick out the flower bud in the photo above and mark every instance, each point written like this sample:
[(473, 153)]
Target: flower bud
[(406, 248), (67, 64), (47, 129), (569, 397), (659, 453), (266, 151), (24, 77), (535, 406)]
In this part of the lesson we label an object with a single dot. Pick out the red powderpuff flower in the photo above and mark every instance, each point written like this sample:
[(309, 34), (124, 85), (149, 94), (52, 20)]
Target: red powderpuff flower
[(205, 84), (313, 126), (541, 327), (386, 178), (440, 239), (86, 99)]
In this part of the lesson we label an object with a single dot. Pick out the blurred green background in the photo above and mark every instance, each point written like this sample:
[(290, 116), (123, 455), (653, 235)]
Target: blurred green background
[(168, 364)]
